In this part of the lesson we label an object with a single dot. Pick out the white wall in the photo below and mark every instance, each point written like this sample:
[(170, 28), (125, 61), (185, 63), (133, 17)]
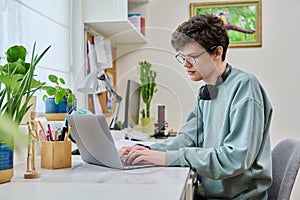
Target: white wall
[(275, 63)]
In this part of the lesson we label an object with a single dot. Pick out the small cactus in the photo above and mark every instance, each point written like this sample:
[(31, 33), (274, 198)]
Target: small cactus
[(147, 77)]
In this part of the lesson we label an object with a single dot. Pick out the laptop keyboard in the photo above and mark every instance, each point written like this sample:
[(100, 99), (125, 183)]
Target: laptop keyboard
[(128, 166)]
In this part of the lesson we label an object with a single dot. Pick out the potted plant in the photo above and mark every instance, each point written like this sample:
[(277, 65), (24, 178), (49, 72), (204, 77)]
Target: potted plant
[(148, 88), (16, 83), (58, 100)]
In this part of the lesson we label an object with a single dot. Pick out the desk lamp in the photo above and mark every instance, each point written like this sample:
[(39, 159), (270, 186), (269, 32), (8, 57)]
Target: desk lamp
[(89, 86)]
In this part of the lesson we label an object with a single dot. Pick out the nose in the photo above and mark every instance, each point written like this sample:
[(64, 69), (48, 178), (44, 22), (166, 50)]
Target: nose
[(187, 64)]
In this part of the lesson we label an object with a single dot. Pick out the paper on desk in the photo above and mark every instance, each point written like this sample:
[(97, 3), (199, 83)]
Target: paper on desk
[(117, 134)]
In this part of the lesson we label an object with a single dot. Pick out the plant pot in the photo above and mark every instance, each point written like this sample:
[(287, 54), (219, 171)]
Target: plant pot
[(57, 112), (6, 163), (147, 125), (51, 107)]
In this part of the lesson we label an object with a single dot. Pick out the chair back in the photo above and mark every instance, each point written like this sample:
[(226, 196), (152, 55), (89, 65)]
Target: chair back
[(285, 166)]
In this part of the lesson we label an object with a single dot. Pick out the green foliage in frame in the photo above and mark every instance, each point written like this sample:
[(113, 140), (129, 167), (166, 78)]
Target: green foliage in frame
[(242, 19)]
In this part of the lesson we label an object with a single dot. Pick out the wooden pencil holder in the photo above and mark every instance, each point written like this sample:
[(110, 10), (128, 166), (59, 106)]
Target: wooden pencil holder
[(56, 154)]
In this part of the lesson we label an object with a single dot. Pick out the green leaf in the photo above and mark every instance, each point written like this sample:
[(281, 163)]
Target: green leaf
[(37, 84), (71, 99), (11, 134), (15, 52), (59, 96), (20, 69), (9, 82), (14, 68), (50, 90), (53, 78), (63, 91), (45, 97), (27, 66), (62, 81)]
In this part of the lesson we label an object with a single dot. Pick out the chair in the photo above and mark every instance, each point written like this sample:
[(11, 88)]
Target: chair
[(285, 166)]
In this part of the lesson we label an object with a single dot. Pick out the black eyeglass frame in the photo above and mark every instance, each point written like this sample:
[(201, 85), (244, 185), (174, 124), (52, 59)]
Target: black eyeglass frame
[(191, 59)]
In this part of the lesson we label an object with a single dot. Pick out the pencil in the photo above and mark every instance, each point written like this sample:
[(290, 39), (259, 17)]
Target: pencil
[(55, 135), (69, 131), (43, 130)]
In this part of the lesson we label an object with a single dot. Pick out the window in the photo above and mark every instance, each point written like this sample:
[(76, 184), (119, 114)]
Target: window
[(47, 23)]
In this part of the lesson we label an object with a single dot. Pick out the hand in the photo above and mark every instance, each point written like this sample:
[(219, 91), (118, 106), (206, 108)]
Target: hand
[(124, 151), (140, 154)]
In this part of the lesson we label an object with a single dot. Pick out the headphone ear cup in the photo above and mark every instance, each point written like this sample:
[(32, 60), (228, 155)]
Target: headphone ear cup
[(219, 81), (208, 92)]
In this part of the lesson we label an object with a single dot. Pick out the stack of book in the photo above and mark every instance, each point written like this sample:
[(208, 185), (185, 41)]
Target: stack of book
[(138, 21)]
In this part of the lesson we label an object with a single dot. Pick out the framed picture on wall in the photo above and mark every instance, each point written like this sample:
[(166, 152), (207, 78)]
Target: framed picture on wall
[(242, 19)]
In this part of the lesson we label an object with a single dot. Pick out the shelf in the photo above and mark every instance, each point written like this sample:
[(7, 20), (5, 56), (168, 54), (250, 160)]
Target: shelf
[(138, 1), (110, 19), (118, 31)]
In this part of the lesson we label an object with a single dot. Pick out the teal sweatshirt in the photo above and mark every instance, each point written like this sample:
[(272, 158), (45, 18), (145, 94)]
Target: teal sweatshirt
[(232, 152)]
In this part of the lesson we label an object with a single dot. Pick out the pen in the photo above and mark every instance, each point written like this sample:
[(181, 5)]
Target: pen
[(43, 133), (59, 134), (50, 132), (66, 123), (48, 136), (70, 127), (63, 134)]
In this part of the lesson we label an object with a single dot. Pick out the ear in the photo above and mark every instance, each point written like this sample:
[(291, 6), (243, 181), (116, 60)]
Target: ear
[(219, 51)]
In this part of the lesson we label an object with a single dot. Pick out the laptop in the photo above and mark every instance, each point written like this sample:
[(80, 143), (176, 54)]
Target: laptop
[(95, 142)]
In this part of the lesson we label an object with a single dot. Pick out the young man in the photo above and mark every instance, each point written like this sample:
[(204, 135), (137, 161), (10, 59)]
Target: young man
[(225, 139)]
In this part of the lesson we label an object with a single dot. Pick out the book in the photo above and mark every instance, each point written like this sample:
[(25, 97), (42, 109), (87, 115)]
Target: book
[(138, 21)]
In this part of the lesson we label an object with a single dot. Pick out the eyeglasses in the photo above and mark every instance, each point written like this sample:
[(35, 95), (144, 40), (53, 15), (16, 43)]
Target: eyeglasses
[(191, 59)]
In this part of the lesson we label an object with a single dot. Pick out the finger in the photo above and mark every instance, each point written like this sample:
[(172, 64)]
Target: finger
[(140, 160), (124, 151), (132, 155), (138, 147), (134, 152), (129, 157)]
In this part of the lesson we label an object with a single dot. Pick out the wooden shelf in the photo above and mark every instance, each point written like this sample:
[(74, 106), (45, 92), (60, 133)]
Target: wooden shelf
[(118, 31)]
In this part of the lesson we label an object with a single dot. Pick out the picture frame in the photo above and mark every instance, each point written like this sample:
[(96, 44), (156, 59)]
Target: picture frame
[(242, 19)]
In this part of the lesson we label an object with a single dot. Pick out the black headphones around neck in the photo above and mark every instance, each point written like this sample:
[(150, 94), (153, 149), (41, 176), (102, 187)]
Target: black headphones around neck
[(210, 92)]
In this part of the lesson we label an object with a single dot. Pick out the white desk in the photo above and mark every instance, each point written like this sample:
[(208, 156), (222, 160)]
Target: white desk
[(84, 181)]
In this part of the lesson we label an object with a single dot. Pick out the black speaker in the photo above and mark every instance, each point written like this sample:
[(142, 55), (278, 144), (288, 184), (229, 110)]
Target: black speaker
[(210, 92), (161, 123)]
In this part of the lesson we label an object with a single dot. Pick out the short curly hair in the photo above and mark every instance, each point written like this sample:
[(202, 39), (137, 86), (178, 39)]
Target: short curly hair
[(205, 29)]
